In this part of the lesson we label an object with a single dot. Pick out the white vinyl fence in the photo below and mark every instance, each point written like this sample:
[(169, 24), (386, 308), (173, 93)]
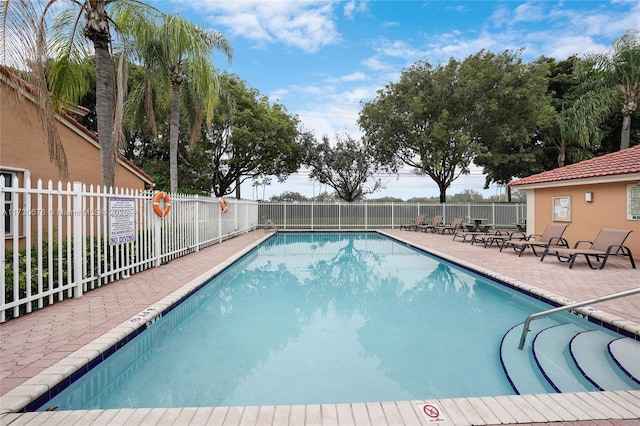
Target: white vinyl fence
[(63, 240), (371, 215)]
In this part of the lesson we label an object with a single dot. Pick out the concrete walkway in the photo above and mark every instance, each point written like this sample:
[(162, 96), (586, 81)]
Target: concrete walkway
[(31, 344)]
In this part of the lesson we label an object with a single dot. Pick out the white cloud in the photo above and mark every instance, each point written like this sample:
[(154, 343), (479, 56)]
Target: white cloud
[(355, 76), (352, 7), (352, 96), (349, 9), (312, 90), (278, 95), (528, 12), (307, 25), (389, 24), (376, 64), (565, 46), (397, 49)]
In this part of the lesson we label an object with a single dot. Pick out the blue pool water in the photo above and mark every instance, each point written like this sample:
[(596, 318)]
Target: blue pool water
[(312, 318)]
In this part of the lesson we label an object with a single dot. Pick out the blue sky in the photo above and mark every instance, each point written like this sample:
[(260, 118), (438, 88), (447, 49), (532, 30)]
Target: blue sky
[(321, 59)]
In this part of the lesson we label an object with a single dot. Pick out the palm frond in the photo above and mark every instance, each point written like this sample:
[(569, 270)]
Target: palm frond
[(18, 42)]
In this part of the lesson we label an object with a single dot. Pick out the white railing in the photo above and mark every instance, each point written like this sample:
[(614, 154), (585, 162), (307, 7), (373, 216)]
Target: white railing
[(371, 215), (61, 241)]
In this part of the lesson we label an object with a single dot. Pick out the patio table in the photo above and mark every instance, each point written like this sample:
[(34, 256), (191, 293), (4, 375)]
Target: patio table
[(477, 225)]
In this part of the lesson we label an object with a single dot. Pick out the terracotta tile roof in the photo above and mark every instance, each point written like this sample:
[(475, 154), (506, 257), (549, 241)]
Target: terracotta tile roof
[(626, 161)]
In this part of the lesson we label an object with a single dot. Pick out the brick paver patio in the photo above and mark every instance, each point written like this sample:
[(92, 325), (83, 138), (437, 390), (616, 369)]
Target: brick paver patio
[(32, 343)]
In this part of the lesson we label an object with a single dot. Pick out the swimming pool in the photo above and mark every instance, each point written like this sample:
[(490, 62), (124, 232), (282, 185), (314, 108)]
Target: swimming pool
[(317, 318)]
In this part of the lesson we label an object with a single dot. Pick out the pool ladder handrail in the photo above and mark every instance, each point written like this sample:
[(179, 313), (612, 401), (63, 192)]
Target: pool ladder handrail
[(269, 224), (531, 317)]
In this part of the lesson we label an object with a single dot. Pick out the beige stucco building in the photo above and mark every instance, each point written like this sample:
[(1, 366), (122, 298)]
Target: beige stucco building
[(23, 148), (24, 154), (603, 192)]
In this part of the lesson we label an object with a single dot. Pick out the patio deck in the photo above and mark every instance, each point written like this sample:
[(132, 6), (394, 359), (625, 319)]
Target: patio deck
[(34, 343)]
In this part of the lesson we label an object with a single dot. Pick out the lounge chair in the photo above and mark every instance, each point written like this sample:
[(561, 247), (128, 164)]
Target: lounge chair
[(552, 236), (473, 236), (450, 228), (437, 221), (499, 236), (413, 226), (608, 242)]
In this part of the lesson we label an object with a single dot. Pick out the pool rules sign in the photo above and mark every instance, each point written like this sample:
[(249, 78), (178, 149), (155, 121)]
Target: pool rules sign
[(431, 412), (122, 220)]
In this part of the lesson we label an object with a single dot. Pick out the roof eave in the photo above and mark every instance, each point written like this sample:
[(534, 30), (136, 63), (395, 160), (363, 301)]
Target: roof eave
[(629, 177)]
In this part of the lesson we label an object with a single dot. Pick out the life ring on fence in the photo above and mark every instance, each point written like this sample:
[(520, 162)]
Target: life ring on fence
[(156, 204), (224, 205)]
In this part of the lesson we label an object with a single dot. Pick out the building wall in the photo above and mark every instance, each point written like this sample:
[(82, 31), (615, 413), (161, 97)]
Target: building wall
[(24, 153), (22, 146), (607, 210)]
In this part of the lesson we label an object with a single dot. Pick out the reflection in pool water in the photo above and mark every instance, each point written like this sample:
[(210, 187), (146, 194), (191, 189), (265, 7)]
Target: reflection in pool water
[(317, 318)]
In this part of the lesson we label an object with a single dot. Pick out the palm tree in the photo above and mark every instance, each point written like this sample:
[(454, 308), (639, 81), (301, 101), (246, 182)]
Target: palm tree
[(572, 140), (75, 22), (613, 80), (174, 53)]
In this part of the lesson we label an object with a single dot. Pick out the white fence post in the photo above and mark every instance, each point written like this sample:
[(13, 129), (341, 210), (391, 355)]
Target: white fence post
[(78, 218), (157, 239), (236, 215), (220, 225), (196, 222), (393, 215), (366, 216)]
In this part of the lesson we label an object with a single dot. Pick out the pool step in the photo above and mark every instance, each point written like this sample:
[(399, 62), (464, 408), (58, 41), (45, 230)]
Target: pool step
[(519, 365), (590, 351), (569, 357), (551, 352), (626, 354)]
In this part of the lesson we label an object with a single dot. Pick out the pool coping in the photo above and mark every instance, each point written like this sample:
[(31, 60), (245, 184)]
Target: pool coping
[(481, 410)]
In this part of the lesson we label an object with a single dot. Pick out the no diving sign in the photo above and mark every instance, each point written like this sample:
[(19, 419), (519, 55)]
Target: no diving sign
[(432, 413)]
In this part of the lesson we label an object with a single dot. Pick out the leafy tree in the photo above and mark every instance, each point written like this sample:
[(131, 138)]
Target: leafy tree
[(289, 197), (612, 81), (249, 139), (173, 52), (467, 196), (506, 103), (569, 136), (324, 197), (563, 134), (385, 200), (75, 24), (420, 121), (346, 167)]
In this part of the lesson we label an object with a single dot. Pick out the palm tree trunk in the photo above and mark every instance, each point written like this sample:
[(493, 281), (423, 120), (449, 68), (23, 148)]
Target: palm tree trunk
[(98, 31), (104, 112), (173, 137), (625, 135), (562, 154)]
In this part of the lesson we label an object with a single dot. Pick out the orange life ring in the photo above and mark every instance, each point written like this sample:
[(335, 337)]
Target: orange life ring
[(156, 204), (224, 205)]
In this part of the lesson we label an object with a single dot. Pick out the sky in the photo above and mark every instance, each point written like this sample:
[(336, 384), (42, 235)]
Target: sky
[(322, 59)]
